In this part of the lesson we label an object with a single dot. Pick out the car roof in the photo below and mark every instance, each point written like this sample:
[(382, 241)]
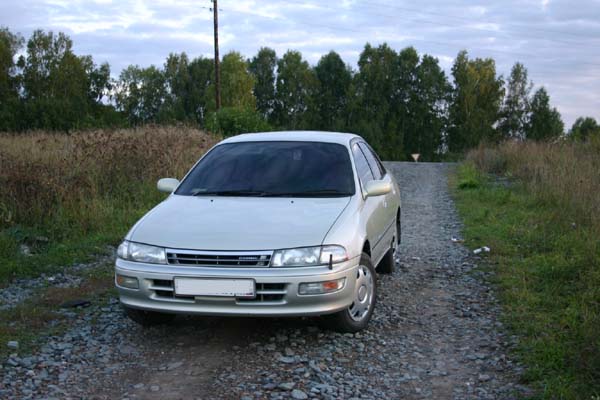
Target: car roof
[(300, 136)]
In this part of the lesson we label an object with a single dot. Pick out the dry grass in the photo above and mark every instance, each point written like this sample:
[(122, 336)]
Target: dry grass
[(42, 172), (86, 187), (565, 174)]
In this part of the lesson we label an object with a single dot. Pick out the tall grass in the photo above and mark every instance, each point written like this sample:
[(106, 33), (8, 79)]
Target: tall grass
[(564, 174), (537, 205), (63, 196)]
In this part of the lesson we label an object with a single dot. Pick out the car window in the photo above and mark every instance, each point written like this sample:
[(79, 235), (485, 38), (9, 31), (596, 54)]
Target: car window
[(376, 168), (362, 166), (277, 168)]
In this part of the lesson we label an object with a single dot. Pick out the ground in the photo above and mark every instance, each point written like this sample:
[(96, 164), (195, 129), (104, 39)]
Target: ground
[(435, 333)]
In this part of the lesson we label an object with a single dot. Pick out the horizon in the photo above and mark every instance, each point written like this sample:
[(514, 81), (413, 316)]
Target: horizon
[(554, 40)]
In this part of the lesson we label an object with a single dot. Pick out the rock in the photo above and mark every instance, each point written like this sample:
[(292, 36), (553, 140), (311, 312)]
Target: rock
[(298, 394), (12, 344), (287, 360), (174, 365), (287, 385), (154, 388)]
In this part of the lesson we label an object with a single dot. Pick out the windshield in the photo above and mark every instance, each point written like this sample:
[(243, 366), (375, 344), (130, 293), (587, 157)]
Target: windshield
[(294, 169)]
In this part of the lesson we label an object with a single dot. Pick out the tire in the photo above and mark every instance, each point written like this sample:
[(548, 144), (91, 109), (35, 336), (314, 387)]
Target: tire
[(148, 318), (357, 316), (398, 228), (388, 263)]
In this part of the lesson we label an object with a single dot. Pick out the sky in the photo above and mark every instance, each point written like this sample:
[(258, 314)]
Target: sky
[(558, 41)]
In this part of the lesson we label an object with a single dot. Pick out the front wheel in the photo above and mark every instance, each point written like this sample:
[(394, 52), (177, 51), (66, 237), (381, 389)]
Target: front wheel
[(357, 316)]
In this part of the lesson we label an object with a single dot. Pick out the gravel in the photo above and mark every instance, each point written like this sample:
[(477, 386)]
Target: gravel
[(22, 289), (435, 333)]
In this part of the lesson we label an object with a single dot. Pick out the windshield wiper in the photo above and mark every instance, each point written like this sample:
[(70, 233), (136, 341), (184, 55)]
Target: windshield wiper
[(240, 193), (310, 193)]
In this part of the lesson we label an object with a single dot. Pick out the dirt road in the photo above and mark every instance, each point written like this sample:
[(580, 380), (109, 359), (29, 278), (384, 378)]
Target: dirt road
[(435, 334)]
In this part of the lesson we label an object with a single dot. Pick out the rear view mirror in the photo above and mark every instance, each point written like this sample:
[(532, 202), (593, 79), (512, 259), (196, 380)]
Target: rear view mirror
[(167, 185), (377, 188)]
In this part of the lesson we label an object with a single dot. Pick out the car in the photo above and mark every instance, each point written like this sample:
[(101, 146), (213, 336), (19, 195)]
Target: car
[(280, 224)]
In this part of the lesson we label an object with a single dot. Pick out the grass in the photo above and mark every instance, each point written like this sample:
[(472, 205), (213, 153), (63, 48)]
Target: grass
[(66, 197), (543, 229)]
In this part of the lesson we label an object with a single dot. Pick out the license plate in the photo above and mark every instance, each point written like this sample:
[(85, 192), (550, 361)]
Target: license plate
[(215, 287)]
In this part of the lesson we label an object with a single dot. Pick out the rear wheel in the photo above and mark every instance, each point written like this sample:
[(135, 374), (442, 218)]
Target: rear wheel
[(357, 316), (148, 318)]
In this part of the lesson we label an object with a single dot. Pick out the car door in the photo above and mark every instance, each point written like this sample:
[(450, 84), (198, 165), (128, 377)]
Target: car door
[(382, 211), (373, 210), (390, 200)]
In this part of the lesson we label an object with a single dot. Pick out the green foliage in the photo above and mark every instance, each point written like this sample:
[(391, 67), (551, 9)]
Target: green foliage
[(230, 121), (584, 129), (546, 268), (469, 177), (262, 67), (544, 122), (475, 106), (515, 110), (332, 93), (236, 84), (141, 93), (296, 83)]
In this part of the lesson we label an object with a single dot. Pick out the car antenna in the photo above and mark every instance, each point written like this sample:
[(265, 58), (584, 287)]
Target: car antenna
[(330, 261)]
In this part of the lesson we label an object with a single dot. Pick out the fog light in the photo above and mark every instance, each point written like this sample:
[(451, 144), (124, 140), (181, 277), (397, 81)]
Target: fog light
[(129, 282), (321, 287)]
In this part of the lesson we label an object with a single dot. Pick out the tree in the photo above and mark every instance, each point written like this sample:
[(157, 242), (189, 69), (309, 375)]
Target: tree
[(177, 85), (262, 67), (236, 84), (56, 86), (514, 112), (372, 113), (584, 128), (332, 92), (544, 122), (476, 100), (429, 107), (295, 87), (201, 71), (10, 44), (141, 93)]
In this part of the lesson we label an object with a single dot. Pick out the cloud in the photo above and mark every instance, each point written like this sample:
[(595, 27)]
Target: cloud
[(555, 39)]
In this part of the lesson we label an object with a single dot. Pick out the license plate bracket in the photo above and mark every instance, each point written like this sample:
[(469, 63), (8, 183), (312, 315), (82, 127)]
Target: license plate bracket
[(215, 287)]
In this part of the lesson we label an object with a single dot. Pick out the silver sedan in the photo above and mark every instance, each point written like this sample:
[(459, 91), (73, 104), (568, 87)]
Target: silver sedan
[(266, 224)]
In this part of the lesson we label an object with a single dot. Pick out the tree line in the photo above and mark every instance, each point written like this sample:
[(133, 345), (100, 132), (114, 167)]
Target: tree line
[(400, 101)]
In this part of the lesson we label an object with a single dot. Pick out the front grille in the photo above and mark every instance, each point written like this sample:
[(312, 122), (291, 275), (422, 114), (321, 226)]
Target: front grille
[(267, 293), (220, 259)]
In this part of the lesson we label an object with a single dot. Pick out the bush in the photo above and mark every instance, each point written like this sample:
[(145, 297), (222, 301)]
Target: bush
[(230, 121)]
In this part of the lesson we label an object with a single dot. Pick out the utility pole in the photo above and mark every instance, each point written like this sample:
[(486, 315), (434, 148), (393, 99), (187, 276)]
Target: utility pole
[(217, 71)]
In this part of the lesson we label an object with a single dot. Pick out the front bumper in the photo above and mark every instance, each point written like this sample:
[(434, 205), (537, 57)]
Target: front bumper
[(277, 290)]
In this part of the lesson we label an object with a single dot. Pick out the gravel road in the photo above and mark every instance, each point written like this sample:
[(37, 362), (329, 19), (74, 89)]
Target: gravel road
[(435, 334)]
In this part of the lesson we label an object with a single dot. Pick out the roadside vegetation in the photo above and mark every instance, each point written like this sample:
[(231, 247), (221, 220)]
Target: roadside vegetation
[(536, 205), (66, 197), (400, 100)]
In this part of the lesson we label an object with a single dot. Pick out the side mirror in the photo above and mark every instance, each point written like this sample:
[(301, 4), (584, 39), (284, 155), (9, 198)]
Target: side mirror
[(378, 188), (167, 185)]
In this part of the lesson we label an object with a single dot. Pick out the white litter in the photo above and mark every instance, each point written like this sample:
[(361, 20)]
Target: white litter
[(480, 250)]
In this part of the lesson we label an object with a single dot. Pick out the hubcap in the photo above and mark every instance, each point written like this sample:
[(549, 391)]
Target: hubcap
[(363, 294)]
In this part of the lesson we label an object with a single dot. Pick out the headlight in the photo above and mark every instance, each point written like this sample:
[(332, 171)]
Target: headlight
[(308, 256), (142, 253)]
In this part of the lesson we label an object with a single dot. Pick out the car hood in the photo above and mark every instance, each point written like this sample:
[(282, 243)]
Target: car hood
[(238, 223)]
